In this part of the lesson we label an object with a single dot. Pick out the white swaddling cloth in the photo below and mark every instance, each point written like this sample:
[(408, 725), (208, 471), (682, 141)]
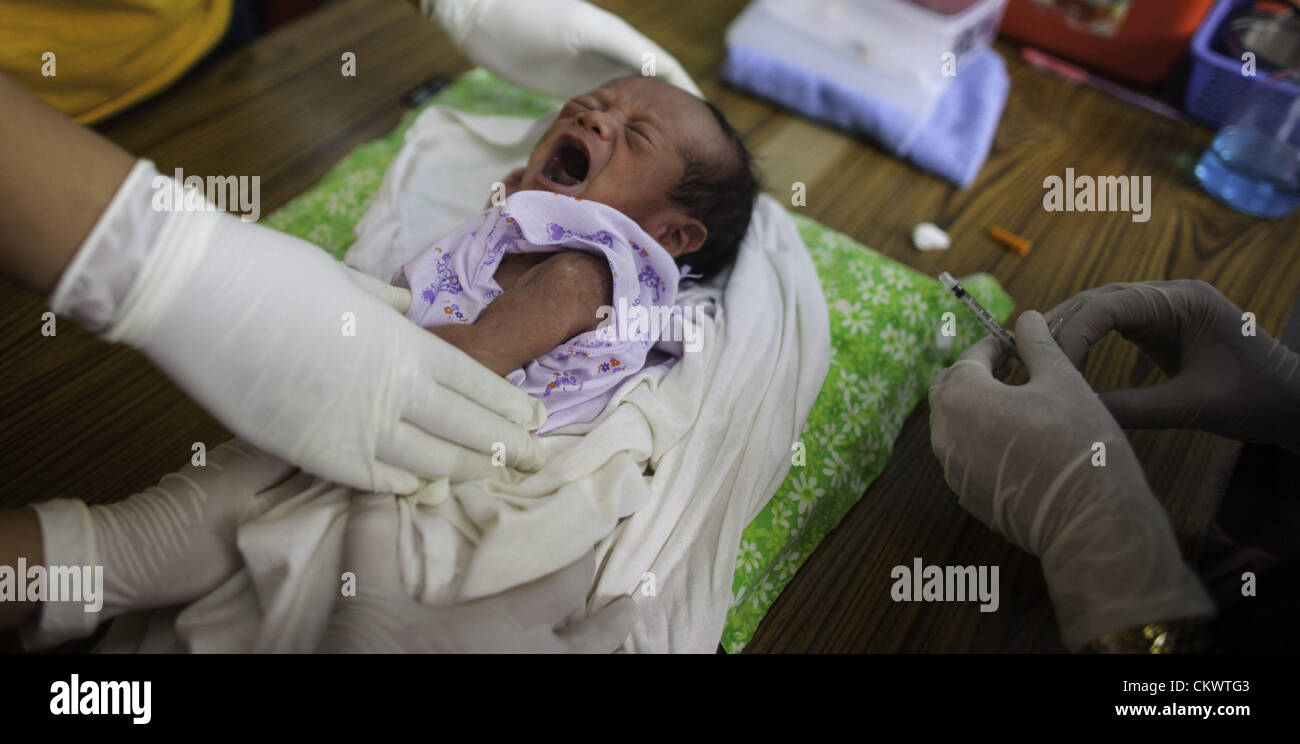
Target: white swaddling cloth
[(715, 429)]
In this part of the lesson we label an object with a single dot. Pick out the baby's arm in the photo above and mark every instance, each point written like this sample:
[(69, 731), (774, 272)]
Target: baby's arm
[(551, 303)]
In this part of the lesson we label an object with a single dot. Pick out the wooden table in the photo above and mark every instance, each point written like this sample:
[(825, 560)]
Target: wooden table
[(85, 420)]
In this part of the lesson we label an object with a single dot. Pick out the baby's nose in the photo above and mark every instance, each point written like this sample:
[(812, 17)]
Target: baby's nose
[(597, 122)]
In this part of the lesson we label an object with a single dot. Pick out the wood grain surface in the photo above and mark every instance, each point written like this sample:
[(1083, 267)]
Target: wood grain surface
[(80, 418)]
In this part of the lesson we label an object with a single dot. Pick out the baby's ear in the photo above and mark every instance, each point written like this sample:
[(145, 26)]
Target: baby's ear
[(682, 235)]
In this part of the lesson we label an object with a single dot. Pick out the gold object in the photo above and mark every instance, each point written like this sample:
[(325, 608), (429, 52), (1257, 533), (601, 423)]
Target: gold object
[(1154, 638)]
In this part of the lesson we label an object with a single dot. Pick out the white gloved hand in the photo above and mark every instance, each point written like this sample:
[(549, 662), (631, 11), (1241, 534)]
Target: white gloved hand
[(1021, 459), (384, 617), (254, 324), (168, 545), (1221, 380), (560, 47), (398, 298)]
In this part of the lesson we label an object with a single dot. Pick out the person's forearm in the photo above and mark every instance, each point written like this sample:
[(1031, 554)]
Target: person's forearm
[(20, 537), (58, 177)]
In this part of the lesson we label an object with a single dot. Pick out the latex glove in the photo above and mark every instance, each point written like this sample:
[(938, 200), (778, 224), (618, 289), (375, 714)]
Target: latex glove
[(398, 298), (253, 324), (384, 617), (168, 545), (1021, 460), (560, 47), (1221, 381)]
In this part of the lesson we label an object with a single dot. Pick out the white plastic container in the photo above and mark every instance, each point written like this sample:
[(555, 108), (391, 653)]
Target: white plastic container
[(894, 49)]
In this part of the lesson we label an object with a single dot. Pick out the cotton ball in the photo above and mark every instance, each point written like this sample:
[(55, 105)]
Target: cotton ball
[(928, 237)]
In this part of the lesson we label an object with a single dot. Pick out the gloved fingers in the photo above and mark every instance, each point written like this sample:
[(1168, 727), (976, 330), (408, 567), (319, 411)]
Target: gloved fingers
[(266, 500), (1063, 313), (449, 415), (203, 504), (1039, 351), (1143, 313), (614, 39), (397, 298), (958, 460), (1080, 321), (977, 362), (603, 632), (552, 598), (947, 396), (677, 76), (938, 442), (1063, 308), (412, 449), (984, 349), (249, 466), (936, 418), (972, 368), (389, 478), (456, 370), (1168, 405), (940, 378), (609, 37)]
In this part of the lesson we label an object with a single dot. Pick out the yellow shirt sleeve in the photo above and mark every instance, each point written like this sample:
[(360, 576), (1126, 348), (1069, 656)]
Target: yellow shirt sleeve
[(93, 58)]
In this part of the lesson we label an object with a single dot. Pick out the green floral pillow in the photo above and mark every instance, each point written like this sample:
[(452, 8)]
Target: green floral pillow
[(883, 319)]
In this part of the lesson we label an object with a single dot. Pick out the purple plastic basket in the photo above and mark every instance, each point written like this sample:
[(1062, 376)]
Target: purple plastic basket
[(1216, 86)]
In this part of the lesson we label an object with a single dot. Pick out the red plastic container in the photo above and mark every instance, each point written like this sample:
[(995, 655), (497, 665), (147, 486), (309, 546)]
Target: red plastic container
[(1143, 45)]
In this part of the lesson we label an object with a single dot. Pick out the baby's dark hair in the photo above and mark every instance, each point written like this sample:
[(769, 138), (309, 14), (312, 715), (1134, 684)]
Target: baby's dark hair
[(719, 192)]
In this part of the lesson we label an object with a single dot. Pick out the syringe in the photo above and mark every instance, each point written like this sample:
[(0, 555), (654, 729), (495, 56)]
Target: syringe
[(990, 323)]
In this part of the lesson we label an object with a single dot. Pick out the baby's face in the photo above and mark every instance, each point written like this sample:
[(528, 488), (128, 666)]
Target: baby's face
[(622, 145)]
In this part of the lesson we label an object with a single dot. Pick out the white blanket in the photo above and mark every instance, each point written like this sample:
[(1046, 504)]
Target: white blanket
[(663, 482)]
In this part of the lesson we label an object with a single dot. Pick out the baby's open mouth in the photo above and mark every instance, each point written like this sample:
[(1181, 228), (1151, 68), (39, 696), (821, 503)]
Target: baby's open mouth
[(568, 162)]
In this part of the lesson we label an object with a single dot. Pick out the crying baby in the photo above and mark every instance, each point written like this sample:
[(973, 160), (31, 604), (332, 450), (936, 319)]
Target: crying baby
[(634, 184)]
